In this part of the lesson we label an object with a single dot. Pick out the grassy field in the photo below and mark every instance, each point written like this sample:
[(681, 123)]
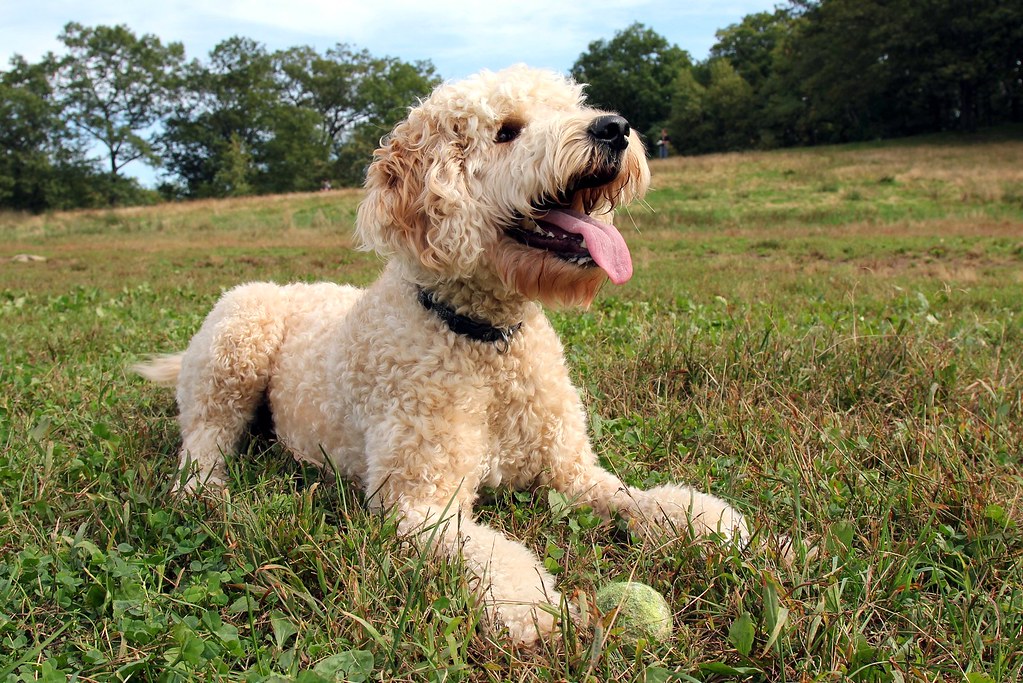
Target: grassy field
[(831, 339)]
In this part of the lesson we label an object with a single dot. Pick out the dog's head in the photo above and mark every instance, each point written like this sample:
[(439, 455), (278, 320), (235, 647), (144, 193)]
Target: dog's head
[(510, 180)]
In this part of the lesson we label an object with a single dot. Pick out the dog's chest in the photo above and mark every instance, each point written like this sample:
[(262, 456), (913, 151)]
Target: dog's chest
[(519, 430)]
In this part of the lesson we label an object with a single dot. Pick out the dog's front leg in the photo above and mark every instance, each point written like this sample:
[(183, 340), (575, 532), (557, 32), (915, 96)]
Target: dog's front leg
[(429, 476), (670, 509), (517, 592)]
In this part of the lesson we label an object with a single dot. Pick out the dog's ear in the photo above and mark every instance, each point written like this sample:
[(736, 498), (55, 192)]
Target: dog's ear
[(417, 202)]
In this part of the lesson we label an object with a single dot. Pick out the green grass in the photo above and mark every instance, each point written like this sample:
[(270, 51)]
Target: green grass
[(831, 339)]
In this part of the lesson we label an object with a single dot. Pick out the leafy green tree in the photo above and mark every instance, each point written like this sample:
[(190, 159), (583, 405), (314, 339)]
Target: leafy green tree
[(232, 176), (293, 157), (27, 121), (713, 116), (357, 97), (881, 68), (633, 74), (285, 121), (234, 130), (951, 64), (687, 123), (730, 105), (41, 164), (750, 45), (115, 87), (840, 71)]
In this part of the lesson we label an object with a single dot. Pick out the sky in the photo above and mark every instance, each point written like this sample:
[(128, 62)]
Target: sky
[(459, 37)]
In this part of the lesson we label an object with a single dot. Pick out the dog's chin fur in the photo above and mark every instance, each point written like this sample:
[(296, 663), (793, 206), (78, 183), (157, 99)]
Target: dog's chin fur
[(543, 277)]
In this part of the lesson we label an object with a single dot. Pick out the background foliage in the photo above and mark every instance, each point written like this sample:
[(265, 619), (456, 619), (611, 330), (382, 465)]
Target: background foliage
[(832, 71), (244, 121), (247, 121), (823, 72)]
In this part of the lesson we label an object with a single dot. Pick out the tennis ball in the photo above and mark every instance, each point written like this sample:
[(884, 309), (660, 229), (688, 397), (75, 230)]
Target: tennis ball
[(642, 611)]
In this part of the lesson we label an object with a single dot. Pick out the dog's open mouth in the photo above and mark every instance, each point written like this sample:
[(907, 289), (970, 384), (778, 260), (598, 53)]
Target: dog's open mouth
[(564, 228)]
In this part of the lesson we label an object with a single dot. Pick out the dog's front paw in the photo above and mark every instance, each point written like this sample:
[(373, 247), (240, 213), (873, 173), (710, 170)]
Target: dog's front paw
[(190, 483), (528, 624), (671, 508)]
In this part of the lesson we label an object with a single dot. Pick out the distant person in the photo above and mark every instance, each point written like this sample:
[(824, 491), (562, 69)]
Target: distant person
[(662, 144), (326, 186)]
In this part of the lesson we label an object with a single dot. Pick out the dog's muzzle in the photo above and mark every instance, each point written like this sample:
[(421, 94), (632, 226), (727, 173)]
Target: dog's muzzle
[(561, 224)]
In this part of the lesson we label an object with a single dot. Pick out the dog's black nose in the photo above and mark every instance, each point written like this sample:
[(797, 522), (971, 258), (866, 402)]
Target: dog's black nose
[(611, 130)]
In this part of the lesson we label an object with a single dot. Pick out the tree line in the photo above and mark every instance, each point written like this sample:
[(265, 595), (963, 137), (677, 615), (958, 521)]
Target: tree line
[(245, 120), (819, 71)]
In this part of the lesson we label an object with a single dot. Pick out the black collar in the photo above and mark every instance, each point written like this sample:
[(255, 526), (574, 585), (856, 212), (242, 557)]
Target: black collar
[(478, 330)]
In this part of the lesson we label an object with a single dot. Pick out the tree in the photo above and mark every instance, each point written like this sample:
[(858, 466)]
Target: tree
[(115, 87), (750, 45), (357, 96), (687, 123), (952, 64), (41, 165), (258, 122), (232, 176), (759, 48), (882, 68), (27, 119), (234, 131), (730, 105), (632, 74), (713, 116), (294, 156), (837, 66)]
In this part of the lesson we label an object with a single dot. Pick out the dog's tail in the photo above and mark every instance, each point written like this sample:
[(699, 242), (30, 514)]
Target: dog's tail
[(162, 370)]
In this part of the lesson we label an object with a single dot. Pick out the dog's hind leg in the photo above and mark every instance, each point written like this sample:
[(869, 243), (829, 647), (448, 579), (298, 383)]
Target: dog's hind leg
[(224, 374)]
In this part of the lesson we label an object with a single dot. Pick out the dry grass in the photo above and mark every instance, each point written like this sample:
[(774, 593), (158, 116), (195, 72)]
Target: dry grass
[(831, 338)]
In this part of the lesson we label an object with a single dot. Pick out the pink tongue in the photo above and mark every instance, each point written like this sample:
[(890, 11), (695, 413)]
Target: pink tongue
[(605, 244)]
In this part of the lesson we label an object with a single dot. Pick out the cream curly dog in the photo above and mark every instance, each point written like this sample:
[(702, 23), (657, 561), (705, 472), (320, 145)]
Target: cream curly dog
[(495, 193)]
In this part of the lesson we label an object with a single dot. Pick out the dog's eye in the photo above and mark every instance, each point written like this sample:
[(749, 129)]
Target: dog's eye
[(509, 131)]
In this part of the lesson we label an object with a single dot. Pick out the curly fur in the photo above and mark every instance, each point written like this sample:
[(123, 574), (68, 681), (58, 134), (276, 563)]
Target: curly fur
[(377, 385)]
